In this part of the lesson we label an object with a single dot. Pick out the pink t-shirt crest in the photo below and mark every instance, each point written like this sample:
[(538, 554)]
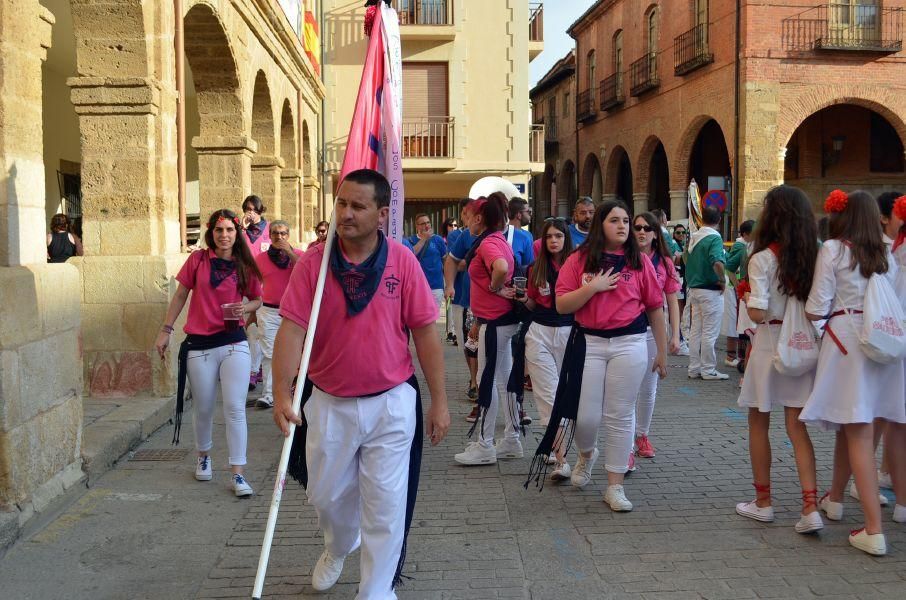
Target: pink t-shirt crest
[(367, 353), (205, 315), (274, 278), (484, 303), (666, 276), (543, 296), (263, 241), (636, 292)]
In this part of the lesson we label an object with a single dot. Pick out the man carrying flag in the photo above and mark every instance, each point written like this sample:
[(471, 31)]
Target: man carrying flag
[(362, 422)]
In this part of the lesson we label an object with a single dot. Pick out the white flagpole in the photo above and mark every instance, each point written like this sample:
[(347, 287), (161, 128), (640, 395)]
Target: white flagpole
[(280, 482)]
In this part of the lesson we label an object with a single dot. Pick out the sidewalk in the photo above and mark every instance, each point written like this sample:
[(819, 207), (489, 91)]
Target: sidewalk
[(147, 529)]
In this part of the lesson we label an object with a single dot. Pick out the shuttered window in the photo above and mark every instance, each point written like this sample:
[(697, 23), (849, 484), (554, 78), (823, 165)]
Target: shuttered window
[(424, 90)]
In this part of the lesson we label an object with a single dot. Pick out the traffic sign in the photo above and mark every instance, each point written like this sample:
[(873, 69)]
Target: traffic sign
[(716, 199)]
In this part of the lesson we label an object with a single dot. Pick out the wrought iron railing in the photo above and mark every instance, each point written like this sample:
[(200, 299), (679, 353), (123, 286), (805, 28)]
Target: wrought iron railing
[(643, 74), (585, 105), (691, 50), (612, 91), (536, 22), (550, 127), (845, 27), (428, 137), (536, 143), (424, 12)]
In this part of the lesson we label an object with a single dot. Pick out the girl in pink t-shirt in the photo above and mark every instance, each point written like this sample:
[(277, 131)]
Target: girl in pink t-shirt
[(215, 348), (649, 235), (490, 265), (258, 234), (612, 289)]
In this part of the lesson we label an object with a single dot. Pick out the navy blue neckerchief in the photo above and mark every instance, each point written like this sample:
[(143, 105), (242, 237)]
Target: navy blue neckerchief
[(569, 389), (278, 257), (489, 373), (359, 282), (221, 269), (298, 467), (615, 261), (549, 317), (254, 230), (197, 342)]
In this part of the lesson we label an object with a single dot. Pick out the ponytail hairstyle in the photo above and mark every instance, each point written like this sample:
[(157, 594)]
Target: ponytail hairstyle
[(659, 244), (539, 268), (246, 267), (493, 211), (858, 223), (595, 242), (787, 221)]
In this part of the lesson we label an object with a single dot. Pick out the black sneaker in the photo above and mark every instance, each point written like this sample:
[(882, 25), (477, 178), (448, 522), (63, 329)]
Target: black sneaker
[(472, 393)]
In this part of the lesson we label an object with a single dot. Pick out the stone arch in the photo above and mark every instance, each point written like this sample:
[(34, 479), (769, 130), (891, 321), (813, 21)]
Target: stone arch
[(592, 182), (566, 184), (544, 193), (681, 157), (653, 174), (618, 175), (307, 165), (263, 131), (106, 47), (288, 145)]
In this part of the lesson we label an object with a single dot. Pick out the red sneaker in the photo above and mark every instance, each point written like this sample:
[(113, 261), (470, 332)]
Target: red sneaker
[(473, 416), (644, 447)]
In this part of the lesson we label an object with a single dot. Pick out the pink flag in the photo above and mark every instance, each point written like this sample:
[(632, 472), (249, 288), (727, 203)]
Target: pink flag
[(376, 130)]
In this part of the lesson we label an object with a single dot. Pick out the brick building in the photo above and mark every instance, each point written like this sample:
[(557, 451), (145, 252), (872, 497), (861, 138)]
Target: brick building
[(814, 99)]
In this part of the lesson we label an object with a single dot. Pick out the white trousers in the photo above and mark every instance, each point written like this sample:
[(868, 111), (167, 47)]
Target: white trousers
[(253, 332), (357, 452), (644, 407), (451, 324), (269, 320), (707, 311), (544, 350), (610, 385), (504, 366), (230, 366)]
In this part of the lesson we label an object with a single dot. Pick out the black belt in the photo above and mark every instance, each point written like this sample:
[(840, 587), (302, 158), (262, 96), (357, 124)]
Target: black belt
[(269, 305)]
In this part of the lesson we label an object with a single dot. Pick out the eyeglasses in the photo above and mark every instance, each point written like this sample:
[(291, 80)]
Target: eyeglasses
[(645, 228), (321, 231), (279, 234)]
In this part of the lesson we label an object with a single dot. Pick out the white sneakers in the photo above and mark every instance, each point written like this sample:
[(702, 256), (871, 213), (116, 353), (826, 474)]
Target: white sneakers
[(899, 513), (810, 523), (616, 498), (581, 476), (240, 486), (561, 472), (329, 568), (714, 376), (476, 454), (203, 471), (870, 543), (731, 362), (753, 511), (833, 510), (854, 493), (509, 448)]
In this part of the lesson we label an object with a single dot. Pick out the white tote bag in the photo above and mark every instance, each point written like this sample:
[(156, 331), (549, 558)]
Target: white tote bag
[(883, 334), (797, 347)]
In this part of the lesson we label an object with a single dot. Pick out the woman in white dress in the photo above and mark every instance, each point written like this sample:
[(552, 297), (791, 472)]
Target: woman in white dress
[(851, 390), (781, 267)]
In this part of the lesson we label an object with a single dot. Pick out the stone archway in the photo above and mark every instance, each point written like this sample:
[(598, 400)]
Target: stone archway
[(566, 186), (652, 181), (310, 213), (291, 175), (618, 176), (546, 192), (266, 164), (224, 147), (592, 183)]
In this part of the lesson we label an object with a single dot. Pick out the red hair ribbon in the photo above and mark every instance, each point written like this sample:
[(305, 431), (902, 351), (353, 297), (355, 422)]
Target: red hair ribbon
[(899, 208), (836, 202)]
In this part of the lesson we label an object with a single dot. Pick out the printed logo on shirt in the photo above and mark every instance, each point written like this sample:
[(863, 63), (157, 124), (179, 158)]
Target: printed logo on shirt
[(545, 291), (351, 282), (390, 287), (626, 276), (265, 246), (587, 277)]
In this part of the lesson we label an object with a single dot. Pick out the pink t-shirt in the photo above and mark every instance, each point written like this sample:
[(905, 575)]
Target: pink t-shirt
[(544, 295), (636, 292), (263, 241), (205, 315), (275, 279), (536, 247), (484, 303), (666, 276), (367, 353)]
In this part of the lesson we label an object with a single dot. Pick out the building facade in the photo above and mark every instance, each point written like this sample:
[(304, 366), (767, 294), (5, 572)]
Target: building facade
[(465, 95), (88, 127), (808, 93)]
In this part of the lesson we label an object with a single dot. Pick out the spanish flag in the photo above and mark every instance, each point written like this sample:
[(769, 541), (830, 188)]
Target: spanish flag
[(311, 41)]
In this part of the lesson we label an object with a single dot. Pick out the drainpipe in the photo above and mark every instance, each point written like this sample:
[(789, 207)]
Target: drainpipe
[(180, 120), (737, 102), (576, 117)]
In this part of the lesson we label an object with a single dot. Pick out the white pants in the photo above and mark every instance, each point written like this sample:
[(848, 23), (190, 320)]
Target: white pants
[(230, 366), (707, 311), (501, 374), (610, 385), (644, 407), (438, 299), (448, 312), (544, 350), (253, 332), (269, 320), (357, 452)]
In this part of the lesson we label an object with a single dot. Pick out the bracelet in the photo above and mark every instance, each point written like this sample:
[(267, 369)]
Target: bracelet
[(167, 328)]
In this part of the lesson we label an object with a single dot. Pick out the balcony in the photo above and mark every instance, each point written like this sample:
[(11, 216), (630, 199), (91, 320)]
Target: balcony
[(585, 105), (536, 29), (428, 137), (845, 27), (691, 50), (536, 143), (643, 75), (550, 129), (429, 20), (612, 92)]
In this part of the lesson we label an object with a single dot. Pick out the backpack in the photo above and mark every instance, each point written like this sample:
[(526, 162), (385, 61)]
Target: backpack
[(883, 334), (797, 347)]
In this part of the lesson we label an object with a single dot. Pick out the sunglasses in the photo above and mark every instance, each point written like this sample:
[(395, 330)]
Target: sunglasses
[(645, 228)]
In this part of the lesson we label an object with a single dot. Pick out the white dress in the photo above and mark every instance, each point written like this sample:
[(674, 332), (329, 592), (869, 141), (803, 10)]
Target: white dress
[(849, 388), (764, 387)]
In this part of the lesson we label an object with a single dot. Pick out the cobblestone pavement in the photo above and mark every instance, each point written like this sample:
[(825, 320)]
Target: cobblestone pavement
[(477, 533)]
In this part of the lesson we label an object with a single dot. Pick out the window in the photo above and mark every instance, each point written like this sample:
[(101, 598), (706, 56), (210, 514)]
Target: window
[(551, 109), (618, 60), (566, 104), (652, 41), (886, 148), (424, 90), (591, 73), (700, 12)]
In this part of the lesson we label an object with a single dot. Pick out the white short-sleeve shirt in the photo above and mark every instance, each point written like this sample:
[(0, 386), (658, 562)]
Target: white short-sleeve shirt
[(765, 283), (836, 286)]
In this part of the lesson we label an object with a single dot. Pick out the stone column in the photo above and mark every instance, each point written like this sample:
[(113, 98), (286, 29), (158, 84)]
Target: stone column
[(679, 208), (224, 172), (40, 357), (266, 183), (608, 197), (311, 209), (291, 202), (639, 203)]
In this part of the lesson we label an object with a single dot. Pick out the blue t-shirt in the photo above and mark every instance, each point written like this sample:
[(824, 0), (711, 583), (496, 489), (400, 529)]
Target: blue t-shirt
[(431, 259), (578, 236), (523, 253), (458, 250)]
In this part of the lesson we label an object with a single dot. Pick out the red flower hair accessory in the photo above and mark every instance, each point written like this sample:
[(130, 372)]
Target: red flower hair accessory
[(899, 208), (370, 14), (836, 202)]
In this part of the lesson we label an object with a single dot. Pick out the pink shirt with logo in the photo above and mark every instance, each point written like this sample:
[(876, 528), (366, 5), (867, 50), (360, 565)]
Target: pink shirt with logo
[(636, 292), (666, 276), (205, 315), (275, 279), (368, 353), (544, 295), (484, 303), (263, 241)]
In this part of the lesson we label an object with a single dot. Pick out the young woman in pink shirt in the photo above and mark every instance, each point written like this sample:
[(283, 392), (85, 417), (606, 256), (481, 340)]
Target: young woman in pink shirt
[(490, 265), (612, 289), (215, 349)]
